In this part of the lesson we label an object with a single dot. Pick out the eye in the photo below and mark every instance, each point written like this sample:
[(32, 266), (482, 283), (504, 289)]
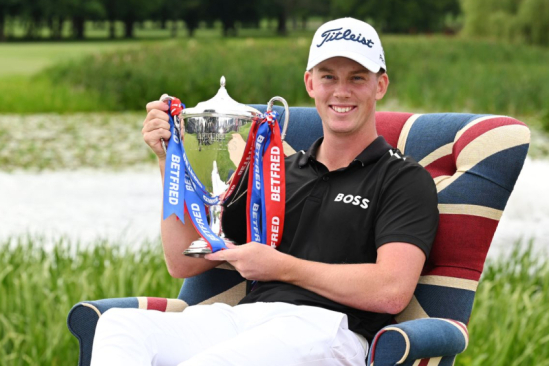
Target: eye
[(327, 77), (358, 78)]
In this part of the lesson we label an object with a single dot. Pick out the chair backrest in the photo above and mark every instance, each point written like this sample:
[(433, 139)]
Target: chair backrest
[(474, 160)]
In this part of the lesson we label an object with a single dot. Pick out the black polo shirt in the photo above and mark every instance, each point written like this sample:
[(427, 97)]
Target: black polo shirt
[(343, 216)]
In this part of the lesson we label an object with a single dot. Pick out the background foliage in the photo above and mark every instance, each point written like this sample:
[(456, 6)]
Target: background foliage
[(51, 16), (36, 282), (509, 20), (430, 73)]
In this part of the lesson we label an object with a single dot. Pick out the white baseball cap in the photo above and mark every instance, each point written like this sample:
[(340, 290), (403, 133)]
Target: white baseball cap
[(350, 38)]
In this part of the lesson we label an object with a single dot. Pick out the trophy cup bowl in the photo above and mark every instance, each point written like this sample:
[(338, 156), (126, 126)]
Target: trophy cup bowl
[(215, 133)]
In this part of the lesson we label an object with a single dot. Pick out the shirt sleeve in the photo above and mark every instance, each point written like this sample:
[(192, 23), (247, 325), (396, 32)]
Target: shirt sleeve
[(408, 209)]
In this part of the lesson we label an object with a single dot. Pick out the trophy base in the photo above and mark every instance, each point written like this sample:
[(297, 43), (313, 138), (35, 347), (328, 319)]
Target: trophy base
[(199, 248)]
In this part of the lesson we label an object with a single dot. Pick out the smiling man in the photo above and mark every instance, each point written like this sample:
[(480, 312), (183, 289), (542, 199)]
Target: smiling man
[(360, 220)]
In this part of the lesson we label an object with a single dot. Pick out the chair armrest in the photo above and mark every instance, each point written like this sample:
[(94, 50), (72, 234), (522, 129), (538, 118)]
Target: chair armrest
[(83, 317), (418, 339)]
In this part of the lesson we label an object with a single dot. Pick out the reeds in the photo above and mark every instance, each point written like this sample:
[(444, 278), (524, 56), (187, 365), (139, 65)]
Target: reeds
[(39, 283)]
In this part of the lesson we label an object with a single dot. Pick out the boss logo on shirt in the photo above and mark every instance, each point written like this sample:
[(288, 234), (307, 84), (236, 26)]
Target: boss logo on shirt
[(353, 200)]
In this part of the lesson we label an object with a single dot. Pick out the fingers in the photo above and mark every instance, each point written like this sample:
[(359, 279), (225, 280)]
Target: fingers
[(157, 105), (156, 114), (154, 121), (230, 245), (156, 126), (152, 138), (224, 255), (219, 256)]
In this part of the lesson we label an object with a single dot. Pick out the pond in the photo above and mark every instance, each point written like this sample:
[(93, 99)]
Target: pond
[(124, 207)]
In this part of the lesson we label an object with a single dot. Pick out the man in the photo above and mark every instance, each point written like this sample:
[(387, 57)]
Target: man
[(360, 221)]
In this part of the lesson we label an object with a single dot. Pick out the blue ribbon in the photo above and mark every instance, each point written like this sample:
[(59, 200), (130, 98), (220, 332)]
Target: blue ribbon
[(174, 176), (197, 213), (180, 189), (257, 200)]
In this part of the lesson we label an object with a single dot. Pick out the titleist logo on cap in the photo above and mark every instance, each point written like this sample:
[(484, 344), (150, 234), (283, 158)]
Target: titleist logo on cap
[(347, 35)]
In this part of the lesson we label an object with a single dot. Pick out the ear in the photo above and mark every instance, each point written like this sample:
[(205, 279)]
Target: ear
[(309, 83), (382, 85)]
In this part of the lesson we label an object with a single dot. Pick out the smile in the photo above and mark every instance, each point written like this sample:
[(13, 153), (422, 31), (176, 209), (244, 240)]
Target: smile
[(342, 109)]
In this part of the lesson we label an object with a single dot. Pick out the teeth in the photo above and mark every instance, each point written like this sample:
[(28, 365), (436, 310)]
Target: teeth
[(342, 110)]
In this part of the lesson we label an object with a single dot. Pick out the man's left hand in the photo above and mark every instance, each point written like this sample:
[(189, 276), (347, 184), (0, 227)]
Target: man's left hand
[(254, 261)]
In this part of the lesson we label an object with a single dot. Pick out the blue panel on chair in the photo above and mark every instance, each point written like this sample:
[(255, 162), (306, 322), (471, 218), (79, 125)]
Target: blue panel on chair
[(492, 189), (431, 131), (506, 161), (471, 189), (302, 134), (445, 302)]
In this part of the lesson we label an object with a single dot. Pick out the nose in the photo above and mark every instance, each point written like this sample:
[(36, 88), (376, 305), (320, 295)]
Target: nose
[(342, 90)]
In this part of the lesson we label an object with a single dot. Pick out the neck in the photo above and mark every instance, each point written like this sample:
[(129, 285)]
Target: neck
[(337, 152)]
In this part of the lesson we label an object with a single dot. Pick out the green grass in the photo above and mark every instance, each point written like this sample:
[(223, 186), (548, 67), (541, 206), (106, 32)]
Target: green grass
[(434, 73), (38, 286), (438, 73), (29, 58), (510, 320)]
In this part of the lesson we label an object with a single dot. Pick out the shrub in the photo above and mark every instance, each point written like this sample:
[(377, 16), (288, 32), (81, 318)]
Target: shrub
[(255, 72), (429, 73)]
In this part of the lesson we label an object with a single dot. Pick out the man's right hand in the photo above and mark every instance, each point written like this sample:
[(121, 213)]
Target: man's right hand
[(156, 126)]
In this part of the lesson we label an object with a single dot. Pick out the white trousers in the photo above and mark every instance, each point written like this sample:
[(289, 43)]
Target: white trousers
[(260, 334)]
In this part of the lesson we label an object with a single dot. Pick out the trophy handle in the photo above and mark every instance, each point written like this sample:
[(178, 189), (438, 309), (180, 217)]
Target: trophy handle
[(286, 115)]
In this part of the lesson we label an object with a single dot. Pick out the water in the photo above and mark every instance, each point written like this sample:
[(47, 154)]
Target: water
[(82, 206), (85, 205)]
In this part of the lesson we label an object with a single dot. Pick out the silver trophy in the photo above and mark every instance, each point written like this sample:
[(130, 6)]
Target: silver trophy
[(215, 136)]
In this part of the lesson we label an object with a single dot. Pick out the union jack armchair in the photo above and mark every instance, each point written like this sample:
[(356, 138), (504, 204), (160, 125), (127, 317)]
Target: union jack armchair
[(474, 161)]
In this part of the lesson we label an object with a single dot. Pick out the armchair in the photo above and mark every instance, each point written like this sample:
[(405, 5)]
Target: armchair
[(474, 160)]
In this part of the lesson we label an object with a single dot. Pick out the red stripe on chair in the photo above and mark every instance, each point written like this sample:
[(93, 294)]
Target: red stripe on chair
[(460, 325), (445, 165), (389, 125), (157, 303), (424, 362), (452, 254), (480, 128), (374, 344)]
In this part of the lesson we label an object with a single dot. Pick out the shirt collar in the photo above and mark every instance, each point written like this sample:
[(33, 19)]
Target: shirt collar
[(370, 154)]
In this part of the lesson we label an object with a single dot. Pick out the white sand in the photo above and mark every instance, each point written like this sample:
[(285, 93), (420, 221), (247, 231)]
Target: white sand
[(125, 206)]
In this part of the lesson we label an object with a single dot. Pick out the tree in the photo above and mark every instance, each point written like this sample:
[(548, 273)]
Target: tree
[(304, 9), (282, 9), (229, 13), (7, 8), (398, 16), (32, 14), (113, 12), (192, 12), (56, 12), (131, 11), (81, 10)]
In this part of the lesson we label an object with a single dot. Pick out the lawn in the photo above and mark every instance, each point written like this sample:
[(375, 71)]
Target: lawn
[(28, 58)]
